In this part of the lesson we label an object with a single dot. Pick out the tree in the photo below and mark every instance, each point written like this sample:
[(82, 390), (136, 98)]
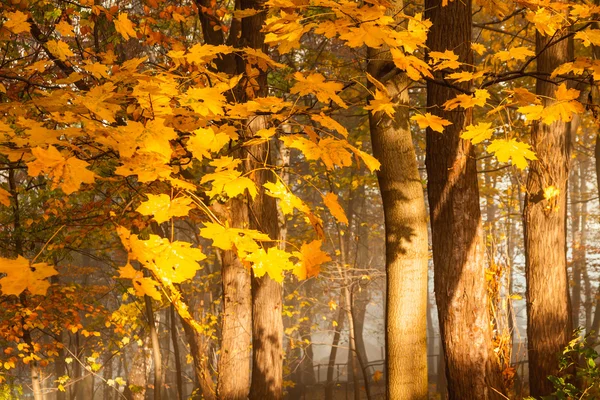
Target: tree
[(549, 320), (405, 235), (458, 253)]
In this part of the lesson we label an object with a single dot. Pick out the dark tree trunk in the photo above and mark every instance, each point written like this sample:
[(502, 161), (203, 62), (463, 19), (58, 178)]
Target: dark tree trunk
[(458, 247), (549, 322)]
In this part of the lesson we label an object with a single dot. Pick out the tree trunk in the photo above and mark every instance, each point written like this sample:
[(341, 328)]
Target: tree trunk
[(329, 385), (406, 251), (199, 351), (267, 324), (233, 380), (176, 355), (458, 248), (549, 323), (156, 356)]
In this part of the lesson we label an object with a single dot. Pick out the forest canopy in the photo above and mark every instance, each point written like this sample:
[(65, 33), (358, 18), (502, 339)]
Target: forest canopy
[(298, 198)]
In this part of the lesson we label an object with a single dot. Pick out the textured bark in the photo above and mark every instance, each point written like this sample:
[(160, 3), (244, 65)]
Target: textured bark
[(405, 239), (176, 354), (236, 331), (199, 350), (458, 248), (156, 356), (549, 323), (267, 324)]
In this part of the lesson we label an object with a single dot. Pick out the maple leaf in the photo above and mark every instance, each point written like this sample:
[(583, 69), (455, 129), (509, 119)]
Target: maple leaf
[(148, 167), (331, 202), (330, 123), (17, 22), (226, 180), (272, 262), (170, 262), (414, 67), (479, 98), (205, 141), (96, 102), (142, 285), (311, 258), (4, 197), (532, 112), (225, 238), (59, 49), (333, 152), (381, 102), (285, 31), (478, 133), (518, 152), (514, 53), (125, 27), (589, 37), (64, 28), (205, 100), (444, 60), (465, 76), (287, 200), (366, 34), (69, 173), (21, 275), (546, 21), (565, 106), (478, 48), (428, 120), (316, 84), (371, 162), (162, 208)]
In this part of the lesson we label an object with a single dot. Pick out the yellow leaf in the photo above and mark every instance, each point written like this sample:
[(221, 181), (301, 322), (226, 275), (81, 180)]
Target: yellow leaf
[(514, 53), (170, 262), (444, 60), (377, 375), (479, 98), (65, 29), (225, 238), (518, 152), (4, 197), (17, 22), (142, 285), (316, 84), (124, 26), (381, 102), (332, 305), (21, 275), (162, 208), (60, 50), (228, 181), (330, 123), (533, 112), (272, 262), (331, 202), (414, 67), (589, 37), (287, 200), (546, 20), (550, 192), (478, 133), (204, 141), (478, 48), (69, 174), (431, 121), (311, 257), (465, 76), (565, 106)]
